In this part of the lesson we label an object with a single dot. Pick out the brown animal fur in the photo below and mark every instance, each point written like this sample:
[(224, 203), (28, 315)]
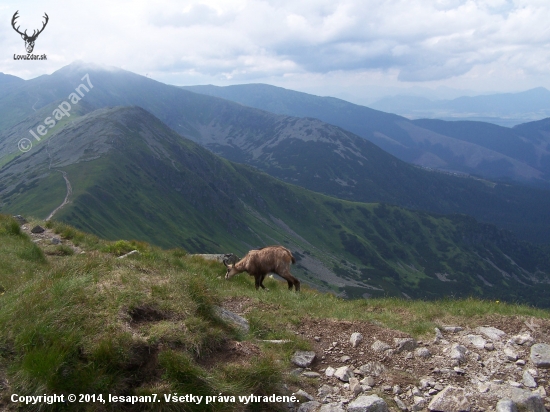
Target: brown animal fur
[(259, 263)]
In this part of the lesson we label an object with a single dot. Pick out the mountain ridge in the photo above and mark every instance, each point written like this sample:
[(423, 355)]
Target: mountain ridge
[(505, 109), (292, 155), (454, 151), (133, 177)]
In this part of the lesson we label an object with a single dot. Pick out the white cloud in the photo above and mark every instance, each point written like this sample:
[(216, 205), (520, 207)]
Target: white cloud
[(501, 44)]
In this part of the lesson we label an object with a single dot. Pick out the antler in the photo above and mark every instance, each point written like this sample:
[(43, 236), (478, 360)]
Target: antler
[(15, 16), (34, 34), (43, 26)]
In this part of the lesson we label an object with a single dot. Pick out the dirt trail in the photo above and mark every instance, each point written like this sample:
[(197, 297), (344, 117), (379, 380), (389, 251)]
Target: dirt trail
[(69, 193)]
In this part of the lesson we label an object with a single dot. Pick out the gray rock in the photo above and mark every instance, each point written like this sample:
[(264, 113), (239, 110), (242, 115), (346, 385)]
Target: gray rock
[(355, 386), (344, 373), (458, 352), (540, 355), (419, 403), (233, 318), (345, 358), (219, 257), (528, 380), (438, 334), (379, 346), (311, 374), (303, 359), (369, 381), (312, 406), (510, 354), (400, 404), (506, 405), (489, 346), (132, 252), (330, 371), (422, 353), (371, 403), (373, 368), (325, 390), (38, 229), (524, 400), (332, 407), (452, 329), (426, 383), (476, 340), (405, 344), (56, 241), (523, 339), (20, 219), (491, 333), (450, 399), (355, 339), (529, 401), (303, 396)]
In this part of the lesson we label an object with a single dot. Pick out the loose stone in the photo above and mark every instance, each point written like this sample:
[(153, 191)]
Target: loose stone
[(371, 403), (540, 355), (355, 339), (303, 359), (344, 373)]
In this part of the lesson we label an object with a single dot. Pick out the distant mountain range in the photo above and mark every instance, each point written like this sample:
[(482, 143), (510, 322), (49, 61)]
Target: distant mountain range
[(133, 177), (505, 109), (473, 148), (303, 151)]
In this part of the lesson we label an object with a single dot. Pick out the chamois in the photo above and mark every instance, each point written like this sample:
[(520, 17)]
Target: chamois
[(260, 262)]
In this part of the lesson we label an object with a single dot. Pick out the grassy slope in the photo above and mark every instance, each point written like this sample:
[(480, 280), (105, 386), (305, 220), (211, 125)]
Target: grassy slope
[(91, 323), (205, 204)]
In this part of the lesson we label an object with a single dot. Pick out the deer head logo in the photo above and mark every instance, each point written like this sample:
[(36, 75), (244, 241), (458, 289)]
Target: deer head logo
[(29, 40)]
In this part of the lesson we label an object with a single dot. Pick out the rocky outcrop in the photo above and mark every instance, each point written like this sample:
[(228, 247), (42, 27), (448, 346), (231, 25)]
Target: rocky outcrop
[(460, 370)]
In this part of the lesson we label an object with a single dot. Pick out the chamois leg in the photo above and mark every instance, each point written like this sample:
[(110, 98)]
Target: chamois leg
[(259, 279), (262, 280), (291, 280)]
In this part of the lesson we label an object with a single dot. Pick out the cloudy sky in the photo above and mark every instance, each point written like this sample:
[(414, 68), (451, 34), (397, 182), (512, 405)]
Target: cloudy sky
[(359, 49)]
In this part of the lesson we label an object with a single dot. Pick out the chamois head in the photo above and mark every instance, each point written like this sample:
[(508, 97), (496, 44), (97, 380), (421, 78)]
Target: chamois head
[(229, 261), (231, 271)]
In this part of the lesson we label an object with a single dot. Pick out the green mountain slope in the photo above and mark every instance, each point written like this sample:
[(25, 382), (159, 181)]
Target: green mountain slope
[(133, 177), (303, 151)]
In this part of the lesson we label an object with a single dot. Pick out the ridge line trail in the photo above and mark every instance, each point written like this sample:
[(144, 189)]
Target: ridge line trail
[(67, 183), (69, 192)]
